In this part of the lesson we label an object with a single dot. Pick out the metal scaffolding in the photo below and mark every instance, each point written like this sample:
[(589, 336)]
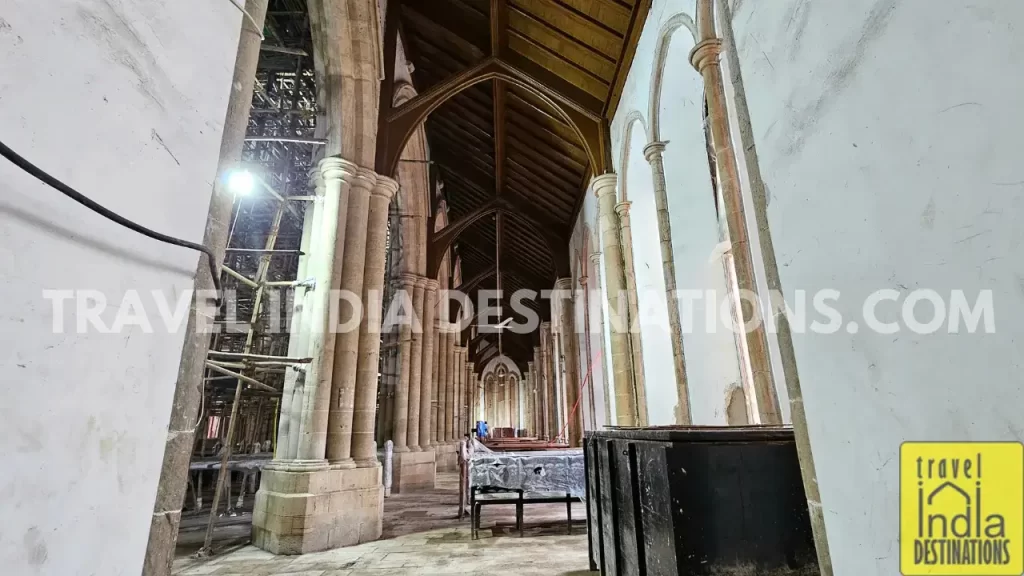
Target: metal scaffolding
[(248, 359)]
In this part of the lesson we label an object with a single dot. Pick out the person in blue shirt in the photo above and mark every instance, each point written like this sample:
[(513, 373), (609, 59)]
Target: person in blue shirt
[(481, 429)]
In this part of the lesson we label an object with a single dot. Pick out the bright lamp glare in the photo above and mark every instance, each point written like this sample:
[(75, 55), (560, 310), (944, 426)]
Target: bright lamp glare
[(240, 182)]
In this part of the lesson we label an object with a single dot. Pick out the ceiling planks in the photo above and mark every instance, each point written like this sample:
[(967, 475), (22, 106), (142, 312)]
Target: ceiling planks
[(514, 168)]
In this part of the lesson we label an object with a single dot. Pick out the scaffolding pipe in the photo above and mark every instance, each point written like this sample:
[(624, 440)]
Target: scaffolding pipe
[(224, 473), (264, 251), (247, 356), (284, 50), (238, 276), (289, 139), (242, 378)]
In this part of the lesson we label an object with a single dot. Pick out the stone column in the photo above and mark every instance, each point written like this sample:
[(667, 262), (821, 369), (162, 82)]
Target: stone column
[(538, 392), (598, 311), (298, 340), (431, 412), (429, 368), (636, 348), (586, 369), (346, 347), (461, 395), (530, 407), (489, 405), (653, 152), (464, 393), (517, 404), (472, 396), (289, 515), (309, 408), (386, 421), (570, 358), (416, 366), (319, 259), (364, 449), (626, 412), (550, 381), (456, 352), (705, 58), (401, 434), (449, 384), (414, 469), (440, 382)]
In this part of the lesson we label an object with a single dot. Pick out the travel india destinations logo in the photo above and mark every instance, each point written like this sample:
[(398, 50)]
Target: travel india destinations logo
[(962, 508)]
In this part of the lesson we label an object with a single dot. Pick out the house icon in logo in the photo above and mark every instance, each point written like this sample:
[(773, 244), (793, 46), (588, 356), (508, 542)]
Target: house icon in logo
[(939, 521)]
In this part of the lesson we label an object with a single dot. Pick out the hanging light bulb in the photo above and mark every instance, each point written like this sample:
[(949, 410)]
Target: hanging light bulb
[(241, 182)]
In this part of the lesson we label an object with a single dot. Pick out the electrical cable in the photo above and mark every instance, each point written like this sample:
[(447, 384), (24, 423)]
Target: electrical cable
[(77, 196), (251, 19)]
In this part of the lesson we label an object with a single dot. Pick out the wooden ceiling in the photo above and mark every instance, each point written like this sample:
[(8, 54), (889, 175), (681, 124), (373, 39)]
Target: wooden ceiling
[(515, 168)]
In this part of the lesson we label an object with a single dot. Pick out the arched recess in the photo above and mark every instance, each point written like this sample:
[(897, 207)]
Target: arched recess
[(665, 35), (498, 373), (712, 356), (502, 360), (401, 122), (414, 193), (634, 117), (487, 397), (648, 276)]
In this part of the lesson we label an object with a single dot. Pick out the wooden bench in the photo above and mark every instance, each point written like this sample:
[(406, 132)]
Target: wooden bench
[(491, 497)]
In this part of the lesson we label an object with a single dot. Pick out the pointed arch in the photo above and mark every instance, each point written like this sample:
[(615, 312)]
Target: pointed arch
[(402, 121), (414, 195), (665, 36), (627, 132)]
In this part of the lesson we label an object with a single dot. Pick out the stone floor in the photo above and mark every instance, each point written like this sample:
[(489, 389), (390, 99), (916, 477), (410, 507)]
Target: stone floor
[(423, 537)]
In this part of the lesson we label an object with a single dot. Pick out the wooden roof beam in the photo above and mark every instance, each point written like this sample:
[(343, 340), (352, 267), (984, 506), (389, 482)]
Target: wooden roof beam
[(444, 15)]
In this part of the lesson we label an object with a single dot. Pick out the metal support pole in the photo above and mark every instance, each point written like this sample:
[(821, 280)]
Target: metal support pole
[(224, 474)]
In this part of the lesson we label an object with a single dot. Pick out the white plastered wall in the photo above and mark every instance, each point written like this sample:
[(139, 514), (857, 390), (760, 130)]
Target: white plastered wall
[(888, 138), (125, 102)]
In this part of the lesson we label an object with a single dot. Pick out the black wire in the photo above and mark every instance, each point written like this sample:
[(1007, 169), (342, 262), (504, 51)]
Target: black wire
[(77, 196)]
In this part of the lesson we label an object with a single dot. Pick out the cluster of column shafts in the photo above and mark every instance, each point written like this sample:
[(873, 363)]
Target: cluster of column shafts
[(328, 408)]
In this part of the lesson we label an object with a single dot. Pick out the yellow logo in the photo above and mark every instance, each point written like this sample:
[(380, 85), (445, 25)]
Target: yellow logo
[(962, 508)]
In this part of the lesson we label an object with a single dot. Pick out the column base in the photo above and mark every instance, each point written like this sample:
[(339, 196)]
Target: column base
[(298, 512), (447, 457), (412, 471)]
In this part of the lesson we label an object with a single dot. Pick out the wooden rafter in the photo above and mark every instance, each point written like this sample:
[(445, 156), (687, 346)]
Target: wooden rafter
[(519, 94)]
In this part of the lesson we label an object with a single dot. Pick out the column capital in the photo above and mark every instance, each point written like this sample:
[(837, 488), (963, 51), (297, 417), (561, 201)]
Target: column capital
[(622, 208), (604, 184), (654, 150), (334, 167), (364, 178), (430, 284), (471, 365), (408, 280), (563, 284), (421, 282), (529, 367), (385, 188), (545, 325), (317, 179), (595, 257), (706, 53)]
